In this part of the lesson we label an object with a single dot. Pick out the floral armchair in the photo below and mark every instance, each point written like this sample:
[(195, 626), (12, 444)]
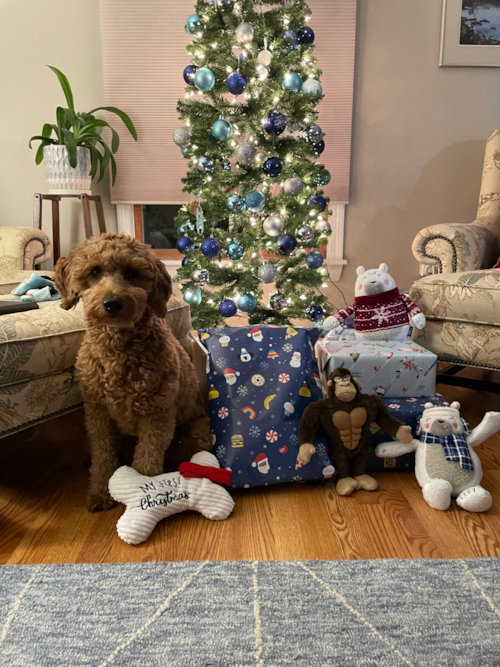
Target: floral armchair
[(462, 301)]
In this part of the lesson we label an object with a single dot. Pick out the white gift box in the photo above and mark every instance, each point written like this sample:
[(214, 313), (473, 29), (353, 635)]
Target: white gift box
[(390, 369)]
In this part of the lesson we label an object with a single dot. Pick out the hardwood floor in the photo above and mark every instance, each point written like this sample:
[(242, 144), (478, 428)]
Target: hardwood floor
[(43, 481)]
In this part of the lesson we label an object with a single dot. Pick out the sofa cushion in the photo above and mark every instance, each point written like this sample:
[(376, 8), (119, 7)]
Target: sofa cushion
[(471, 296)]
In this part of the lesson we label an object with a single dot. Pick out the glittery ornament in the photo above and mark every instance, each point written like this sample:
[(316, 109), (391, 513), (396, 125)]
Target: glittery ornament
[(306, 35), (235, 204), (322, 225), (292, 82), (277, 301), (204, 79), (275, 123), (189, 73), (236, 83), (323, 177), (319, 147), (200, 276), (221, 130), (182, 136), (272, 167), (185, 228), (315, 313), (193, 207), (287, 244), (245, 152), (206, 164), (210, 247), (247, 302), (291, 41), (228, 308), (314, 133), (185, 244), (192, 295), (304, 233), (267, 273), (318, 202), (244, 33), (293, 186), (226, 166), (255, 201), (235, 250), (314, 260), (264, 57), (312, 87), (273, 225)]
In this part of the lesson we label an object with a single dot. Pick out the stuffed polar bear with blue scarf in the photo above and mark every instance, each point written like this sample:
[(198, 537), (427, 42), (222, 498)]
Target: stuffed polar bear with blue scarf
[(446, 464)]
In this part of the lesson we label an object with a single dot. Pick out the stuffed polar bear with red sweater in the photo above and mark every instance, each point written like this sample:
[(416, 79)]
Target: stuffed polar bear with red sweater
[(380, 311)]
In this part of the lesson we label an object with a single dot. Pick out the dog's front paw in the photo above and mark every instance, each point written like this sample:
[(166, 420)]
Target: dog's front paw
[(148, 468), (100, 501)]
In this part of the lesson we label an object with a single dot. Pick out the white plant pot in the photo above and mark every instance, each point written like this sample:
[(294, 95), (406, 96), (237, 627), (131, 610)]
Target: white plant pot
[(61, 177)]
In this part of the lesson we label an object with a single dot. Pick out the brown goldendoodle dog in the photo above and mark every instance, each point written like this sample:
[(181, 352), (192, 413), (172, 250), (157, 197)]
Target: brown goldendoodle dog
[(135, 376)]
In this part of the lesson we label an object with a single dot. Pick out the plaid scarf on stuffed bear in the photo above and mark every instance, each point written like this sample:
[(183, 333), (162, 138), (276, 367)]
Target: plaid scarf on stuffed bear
[(455, 446)]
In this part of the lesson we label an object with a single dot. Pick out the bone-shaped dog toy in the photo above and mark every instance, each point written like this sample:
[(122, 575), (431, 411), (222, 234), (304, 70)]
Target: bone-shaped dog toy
[(150, 499)]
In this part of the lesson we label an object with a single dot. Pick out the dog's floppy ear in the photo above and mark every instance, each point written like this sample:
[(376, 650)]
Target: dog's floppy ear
[(162, 288), (64, 283)]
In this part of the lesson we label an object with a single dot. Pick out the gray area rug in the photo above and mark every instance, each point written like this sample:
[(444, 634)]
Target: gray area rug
[(376, 613)]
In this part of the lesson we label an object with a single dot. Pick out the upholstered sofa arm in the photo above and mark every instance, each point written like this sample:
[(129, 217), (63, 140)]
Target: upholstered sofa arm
[(23, 247), (457, 247)]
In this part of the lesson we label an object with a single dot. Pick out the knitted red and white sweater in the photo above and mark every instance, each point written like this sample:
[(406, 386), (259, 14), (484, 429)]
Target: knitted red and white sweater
[(377, 312)]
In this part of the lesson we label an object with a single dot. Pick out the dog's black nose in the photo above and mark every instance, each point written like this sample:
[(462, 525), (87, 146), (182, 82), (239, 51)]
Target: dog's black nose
[(112, 305)]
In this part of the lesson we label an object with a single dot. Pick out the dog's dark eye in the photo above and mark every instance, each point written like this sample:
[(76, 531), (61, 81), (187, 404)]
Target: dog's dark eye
[(129, 274), (96, 271)]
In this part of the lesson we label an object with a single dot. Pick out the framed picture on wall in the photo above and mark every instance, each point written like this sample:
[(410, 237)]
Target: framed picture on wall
[(470, 33)]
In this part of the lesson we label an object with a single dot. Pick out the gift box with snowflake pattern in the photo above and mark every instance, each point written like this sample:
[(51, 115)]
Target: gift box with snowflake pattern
[(259, 381)]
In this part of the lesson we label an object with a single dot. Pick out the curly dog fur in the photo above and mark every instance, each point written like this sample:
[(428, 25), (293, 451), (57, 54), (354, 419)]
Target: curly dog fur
[(135, 376)]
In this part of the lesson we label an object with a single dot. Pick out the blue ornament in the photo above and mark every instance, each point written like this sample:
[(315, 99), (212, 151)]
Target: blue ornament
[(314, 260), (235, 250), (272, 167), (247, 302), (292, 82), (194, 24), (315, 313), (204, 79), (319, 147), (275, 123), (185, 261), (317, 201), (255, 201), (189, 73), (287, 244), (323, 177), (187, 151), (292, 41), (192, 295), (185, 244), (306, 35), (227, 308), (236, 83), (235, 204), (210, 247), (226, 166), (221, 130)]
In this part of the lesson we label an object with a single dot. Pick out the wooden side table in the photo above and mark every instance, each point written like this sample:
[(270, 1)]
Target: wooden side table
[(55, 199)]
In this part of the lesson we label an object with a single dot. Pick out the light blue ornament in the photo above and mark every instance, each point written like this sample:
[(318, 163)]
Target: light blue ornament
[(292, 82), (235, 204), (323, 177), (192, 295), (204, 79), (314, 260), (291, 39), (187, 151), (235, 250), (221, 130), (311, 87), (247, 302), (194, 24), (255, 201)]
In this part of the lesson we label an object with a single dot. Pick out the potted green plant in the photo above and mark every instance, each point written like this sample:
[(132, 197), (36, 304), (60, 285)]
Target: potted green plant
[(73, 150)]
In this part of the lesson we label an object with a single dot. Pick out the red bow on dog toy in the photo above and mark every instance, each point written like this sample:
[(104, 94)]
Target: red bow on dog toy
[(217, 475)]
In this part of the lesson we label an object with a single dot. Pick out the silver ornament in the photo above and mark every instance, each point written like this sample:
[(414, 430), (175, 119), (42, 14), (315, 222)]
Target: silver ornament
[(277, 301), (267, 273), (304, 233), (244, 33), (264, 58), (182, 137), (200, 277), (314, 133), (262, 72), (312, 87), (245, 152), (294, 186), (322, 225), (273, 225)]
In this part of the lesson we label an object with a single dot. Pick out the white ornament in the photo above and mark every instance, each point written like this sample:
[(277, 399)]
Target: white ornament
[(264, 57), (273, 225), (244, 33), (262, 72), (322, 225)]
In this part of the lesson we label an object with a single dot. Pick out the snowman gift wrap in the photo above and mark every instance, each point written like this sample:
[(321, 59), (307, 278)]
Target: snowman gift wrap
[(380, 311), (260, 380)]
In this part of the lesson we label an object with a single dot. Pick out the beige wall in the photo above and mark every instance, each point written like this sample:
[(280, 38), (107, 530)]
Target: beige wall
[(418, 136), (33, 33)]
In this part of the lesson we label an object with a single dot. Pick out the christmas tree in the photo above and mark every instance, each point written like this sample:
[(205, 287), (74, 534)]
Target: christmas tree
[(251, 139)]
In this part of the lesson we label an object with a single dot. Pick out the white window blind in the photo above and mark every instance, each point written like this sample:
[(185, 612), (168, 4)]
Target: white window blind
[(144, 55)]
